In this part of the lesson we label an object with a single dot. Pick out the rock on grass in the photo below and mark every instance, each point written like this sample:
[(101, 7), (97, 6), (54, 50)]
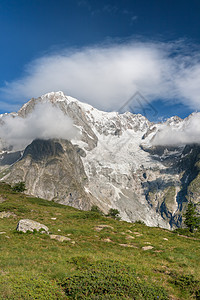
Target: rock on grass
[(25, 225)]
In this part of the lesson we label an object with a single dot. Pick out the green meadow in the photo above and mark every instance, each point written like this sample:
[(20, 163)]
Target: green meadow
[(104, 258)]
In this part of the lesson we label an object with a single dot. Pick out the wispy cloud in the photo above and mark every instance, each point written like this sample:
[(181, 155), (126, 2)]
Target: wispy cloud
[(106, 76), (188, 133), (113, 9), (108, 9), (45, 122), (134, 18), (131, 15), (84, 3)]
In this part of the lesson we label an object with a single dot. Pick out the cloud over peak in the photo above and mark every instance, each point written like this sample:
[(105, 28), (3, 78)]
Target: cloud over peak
[(186, 132), (45, 122), (106, 76)]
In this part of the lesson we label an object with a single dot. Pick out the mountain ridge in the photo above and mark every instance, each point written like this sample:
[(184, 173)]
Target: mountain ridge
[(124, 168)]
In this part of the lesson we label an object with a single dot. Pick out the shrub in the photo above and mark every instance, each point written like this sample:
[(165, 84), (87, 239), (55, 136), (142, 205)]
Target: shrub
[(96, 209), (114, 213), (108, 280), (187, 283), (19, 187), (140, 222)]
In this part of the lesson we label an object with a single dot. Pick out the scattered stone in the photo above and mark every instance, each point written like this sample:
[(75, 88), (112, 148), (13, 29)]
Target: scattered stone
[(25, 225), (2, 199), (165, 239), (73, 242), (138, 234), (6, 214), (130, 237), (101, 227), (147, 248), (108, 240), (129, 231), (7, 237), (123, 233), (3, 232), (59, 238), (128, 245), (2, 272), (53, 218), (59, 230), (148, 243)]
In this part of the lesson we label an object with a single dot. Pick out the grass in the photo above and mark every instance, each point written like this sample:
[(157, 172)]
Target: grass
[(94, 264)]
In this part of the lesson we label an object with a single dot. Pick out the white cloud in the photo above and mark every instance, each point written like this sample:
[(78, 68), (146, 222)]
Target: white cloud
[(188, 84), (106, 76), (134, 18), (45, 122), (188, 133)]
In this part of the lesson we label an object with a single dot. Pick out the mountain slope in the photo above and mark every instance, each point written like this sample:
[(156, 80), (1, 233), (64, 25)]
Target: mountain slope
[(101, 258), (122, 168)]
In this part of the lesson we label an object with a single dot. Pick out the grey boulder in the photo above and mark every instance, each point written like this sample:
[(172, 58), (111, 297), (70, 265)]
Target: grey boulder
[(25, 225)]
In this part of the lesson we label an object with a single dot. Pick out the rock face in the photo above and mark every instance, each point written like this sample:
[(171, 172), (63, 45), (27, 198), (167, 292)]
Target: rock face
[(30, 225), (53, 170), (111, 164)]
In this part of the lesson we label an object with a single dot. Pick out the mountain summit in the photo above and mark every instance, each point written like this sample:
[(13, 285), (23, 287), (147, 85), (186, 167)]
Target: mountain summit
[(107, 159)]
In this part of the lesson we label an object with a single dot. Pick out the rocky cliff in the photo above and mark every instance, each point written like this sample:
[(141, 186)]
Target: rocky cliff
[(53, 170), (111, 163)]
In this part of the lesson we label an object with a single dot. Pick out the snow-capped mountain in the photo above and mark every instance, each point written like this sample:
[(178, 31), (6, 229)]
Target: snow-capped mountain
[(113, 162)]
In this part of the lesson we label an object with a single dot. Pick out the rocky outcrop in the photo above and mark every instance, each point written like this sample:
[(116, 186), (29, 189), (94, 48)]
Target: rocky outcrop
[(25, 225), (53, 170)]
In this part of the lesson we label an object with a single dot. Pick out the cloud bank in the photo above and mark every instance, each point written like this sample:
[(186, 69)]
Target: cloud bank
[(45, 122), (188, 132), (106, 76)]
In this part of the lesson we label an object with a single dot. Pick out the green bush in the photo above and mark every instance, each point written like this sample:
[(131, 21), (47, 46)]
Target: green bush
[(139, 222), (19, 187), (108, 280), (187, 283), (96, 209), (114, 213)]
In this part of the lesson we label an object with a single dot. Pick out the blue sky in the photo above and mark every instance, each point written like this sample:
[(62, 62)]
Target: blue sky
[(80, 44)]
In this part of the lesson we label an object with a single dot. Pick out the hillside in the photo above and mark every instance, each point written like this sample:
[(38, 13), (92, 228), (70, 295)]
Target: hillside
[(96, 262)]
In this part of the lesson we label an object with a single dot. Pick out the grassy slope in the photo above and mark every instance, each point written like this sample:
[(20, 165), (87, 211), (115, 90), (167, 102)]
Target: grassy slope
[(32, 264)]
